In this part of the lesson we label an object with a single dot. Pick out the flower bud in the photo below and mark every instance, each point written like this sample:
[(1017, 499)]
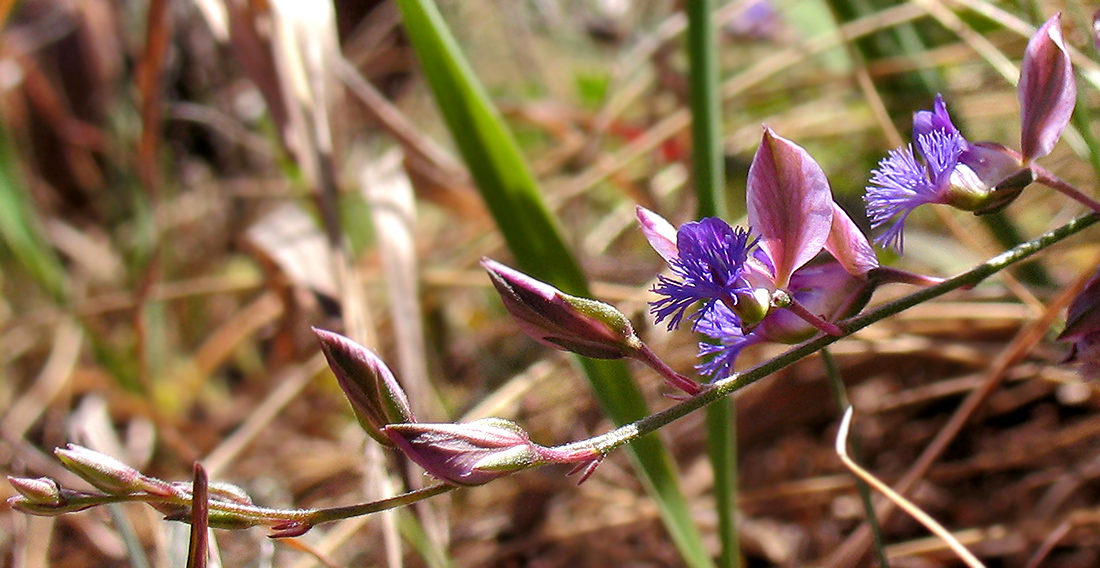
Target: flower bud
[(466, 454), (554, 318), (228, 493), (102, 471), (375, 396), (24, 505), (38, 490), (217, 519)]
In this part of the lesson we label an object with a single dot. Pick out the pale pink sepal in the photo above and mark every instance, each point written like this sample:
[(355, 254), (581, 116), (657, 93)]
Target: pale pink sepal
[(1047, 90), (659, 232), (790, 204), (848, 245)]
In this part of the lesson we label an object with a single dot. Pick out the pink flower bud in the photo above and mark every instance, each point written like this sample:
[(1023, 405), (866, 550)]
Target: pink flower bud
[(554, 318), (466, 454), (375, 396), (101, 470), (38, 490)]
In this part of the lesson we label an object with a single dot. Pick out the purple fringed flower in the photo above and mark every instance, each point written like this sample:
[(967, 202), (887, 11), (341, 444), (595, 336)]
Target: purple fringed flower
[(977, 176), (724, 327), (709, 268), (902, 183), (734, 275)]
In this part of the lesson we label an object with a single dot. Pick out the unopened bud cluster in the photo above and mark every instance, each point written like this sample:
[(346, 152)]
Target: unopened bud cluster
[(117, 482)]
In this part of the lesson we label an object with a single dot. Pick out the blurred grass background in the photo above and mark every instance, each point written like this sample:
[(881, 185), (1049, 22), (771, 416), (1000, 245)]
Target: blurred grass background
[(186, 187)]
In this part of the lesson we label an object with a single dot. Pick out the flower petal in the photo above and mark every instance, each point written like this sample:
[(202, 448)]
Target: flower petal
[(848, 245), (790, 204), (1047, 90), (659, 232), (925, 122), (724, 327)]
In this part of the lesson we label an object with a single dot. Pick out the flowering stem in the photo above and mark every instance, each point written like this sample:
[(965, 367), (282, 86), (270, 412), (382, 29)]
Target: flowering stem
[(674, 379), (251, 515), (720, 389), (318, 516), (1043, 176)]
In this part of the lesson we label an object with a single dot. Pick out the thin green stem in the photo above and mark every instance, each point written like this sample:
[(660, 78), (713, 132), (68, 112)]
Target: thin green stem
[(721, 422), (709, 181), (840, 393), (318, 516), (706, 110)]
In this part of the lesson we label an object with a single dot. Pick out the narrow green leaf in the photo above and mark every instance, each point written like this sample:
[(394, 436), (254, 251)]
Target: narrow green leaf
[(20, 228), (512, 194), (710, 192)]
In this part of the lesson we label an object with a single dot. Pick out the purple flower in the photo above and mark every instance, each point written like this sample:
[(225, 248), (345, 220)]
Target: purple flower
[(758, 20), (1083, 329), (733, 274), (902, 183), (976, 176), (709, 268)]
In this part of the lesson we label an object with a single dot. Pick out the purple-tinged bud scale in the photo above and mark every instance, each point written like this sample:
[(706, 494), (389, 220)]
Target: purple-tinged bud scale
[(104, 472)]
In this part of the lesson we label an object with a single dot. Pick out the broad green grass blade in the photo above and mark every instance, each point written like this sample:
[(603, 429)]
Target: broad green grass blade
[(708, 165), (19, 226), (512, 194)]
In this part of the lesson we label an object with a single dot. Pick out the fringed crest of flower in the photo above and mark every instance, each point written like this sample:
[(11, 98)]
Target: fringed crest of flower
[(902, 183), (709, 267), (724, 327)]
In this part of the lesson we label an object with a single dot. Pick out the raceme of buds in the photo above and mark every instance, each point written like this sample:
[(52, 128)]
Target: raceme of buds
[(375, 396), (466, 454), (1083, 329), (559, 320)]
